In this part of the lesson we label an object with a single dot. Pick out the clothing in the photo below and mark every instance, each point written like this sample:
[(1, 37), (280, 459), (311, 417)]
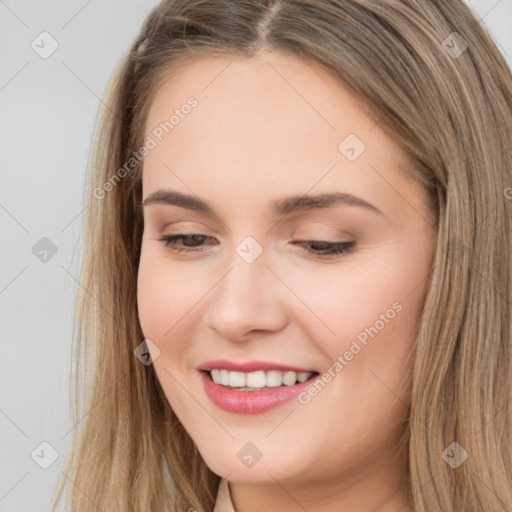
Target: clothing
[(223, 503)]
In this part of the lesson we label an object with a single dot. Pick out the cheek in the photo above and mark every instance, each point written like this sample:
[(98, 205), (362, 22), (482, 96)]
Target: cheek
[(151, 296), (164, 296), (370, 314), (171, 298)]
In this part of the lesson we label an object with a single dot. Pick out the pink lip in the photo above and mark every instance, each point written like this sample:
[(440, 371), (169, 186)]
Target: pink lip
[(249, 366), (250, 402)]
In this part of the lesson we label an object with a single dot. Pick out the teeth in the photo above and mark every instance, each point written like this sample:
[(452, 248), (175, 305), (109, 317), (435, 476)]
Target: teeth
[(236, 379), (259, 379), (253, 380), (215, 376), (289, 378), (224, 377), (303, 376), (274, 378)]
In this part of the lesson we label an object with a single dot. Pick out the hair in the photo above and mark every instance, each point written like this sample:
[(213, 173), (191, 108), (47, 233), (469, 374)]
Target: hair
[(452, 115)]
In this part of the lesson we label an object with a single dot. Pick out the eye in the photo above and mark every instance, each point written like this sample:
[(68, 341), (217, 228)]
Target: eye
[(193, 243), (193, 239), (328, 249)]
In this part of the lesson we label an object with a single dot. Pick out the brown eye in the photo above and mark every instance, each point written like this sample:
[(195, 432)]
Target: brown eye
[(189, 242), (328, 249), (192, 243)]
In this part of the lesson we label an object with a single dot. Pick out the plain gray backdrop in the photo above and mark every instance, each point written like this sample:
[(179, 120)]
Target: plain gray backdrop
[(49, 103)]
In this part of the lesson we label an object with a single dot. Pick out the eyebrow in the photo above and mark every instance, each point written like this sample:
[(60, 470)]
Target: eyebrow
[(283, 206)]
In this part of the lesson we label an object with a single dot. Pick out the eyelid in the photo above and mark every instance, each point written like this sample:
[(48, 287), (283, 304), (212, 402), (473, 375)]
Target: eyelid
[(319, 222), (334, 250), (187, 227)]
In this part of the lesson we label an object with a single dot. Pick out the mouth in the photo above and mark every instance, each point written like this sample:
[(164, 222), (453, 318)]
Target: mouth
[(258, 380), (261, 387)]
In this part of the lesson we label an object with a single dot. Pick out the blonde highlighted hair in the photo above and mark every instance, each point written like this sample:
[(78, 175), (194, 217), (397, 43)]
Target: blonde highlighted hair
[(450, 109)]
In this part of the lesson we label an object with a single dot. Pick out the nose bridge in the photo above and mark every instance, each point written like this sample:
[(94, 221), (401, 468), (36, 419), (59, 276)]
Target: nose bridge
[(248, 269), (247, 296)]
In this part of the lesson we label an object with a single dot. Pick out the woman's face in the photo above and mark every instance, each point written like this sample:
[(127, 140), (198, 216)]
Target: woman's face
[(260, 144)]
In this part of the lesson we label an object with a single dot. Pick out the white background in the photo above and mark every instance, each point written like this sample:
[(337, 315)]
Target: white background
[(48, 110)]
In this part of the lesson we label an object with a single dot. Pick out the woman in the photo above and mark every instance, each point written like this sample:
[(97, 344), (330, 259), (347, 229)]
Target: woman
[(297, 272)]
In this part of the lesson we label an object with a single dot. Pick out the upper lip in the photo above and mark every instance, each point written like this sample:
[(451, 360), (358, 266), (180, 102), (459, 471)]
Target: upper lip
[(250, 366)]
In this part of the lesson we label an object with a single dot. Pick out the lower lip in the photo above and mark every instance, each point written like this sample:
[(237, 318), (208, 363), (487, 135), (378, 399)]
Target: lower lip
[(251, 402)]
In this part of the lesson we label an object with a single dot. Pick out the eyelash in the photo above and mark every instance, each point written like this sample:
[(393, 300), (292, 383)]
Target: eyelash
[(330, 250)]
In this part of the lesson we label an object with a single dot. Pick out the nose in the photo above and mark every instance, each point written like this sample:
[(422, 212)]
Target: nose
[(249, 298)]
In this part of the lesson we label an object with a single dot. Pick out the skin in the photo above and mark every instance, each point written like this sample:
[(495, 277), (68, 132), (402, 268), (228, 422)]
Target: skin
[(255, 137)]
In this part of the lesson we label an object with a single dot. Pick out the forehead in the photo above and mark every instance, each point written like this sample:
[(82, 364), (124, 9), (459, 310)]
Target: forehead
[(266, 122), (257, 97)]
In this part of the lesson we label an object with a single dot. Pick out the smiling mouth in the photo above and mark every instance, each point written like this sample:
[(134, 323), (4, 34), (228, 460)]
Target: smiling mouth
[(258, 380)]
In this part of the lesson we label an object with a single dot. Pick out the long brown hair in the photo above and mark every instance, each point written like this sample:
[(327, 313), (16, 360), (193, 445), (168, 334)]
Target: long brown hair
[(450, 107)]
